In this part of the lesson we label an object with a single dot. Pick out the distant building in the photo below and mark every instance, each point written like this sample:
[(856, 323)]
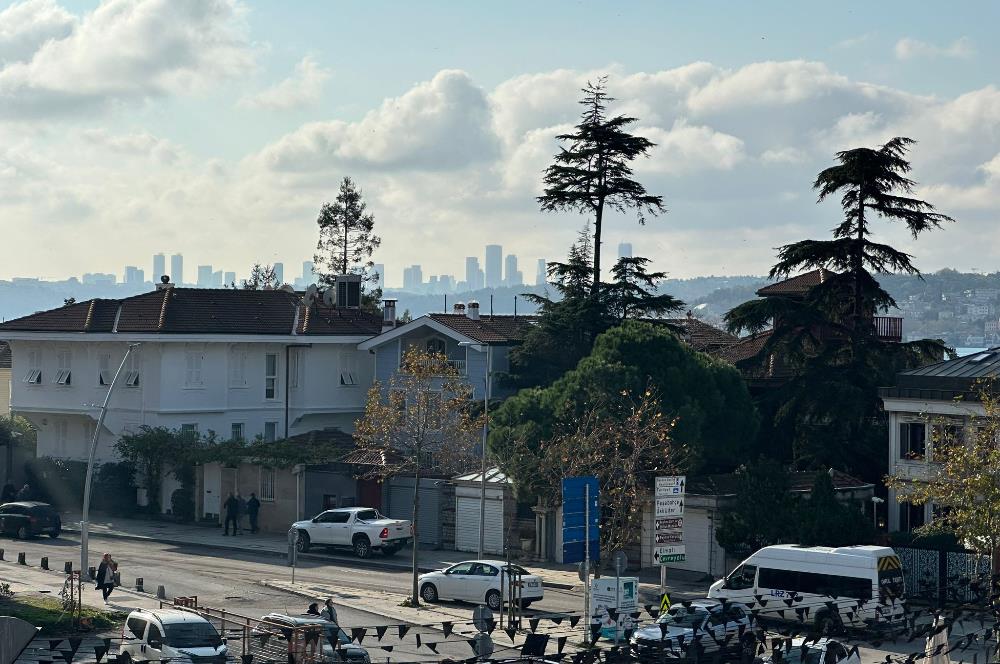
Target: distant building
[(279, 273), (447, 283), (379, 269), (134, 275), (624, 250), (307, 271), (512, 276), (494, 266), (473, 274), (217, 279), (229, 278), (204, 276), (541, 273), (99, 278), (159, 267), (176, 269), (413, 278)]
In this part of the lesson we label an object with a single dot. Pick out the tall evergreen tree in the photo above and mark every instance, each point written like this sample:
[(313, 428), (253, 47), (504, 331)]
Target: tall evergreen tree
[(346, 238), (633, 293), (594, 172)]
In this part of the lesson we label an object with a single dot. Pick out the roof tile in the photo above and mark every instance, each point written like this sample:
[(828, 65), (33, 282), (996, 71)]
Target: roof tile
[(796, 285), (500, 329)]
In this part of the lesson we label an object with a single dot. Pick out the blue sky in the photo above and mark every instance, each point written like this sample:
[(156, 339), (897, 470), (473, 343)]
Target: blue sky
[(217, 128)]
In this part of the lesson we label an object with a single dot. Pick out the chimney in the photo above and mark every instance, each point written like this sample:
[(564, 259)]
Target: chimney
[(388, 314), (458, 308), (473, 311), (164, 283)]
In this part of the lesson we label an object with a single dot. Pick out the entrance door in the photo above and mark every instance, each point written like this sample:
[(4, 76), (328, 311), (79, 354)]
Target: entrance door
[(370, 494), (212, 483)]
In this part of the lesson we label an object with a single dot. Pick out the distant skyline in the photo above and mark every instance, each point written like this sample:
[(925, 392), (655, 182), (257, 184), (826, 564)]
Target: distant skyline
[(217, 129)]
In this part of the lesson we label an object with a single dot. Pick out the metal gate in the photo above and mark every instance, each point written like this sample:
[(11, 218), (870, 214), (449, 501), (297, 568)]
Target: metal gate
[(954, 577), (401, 507), (467, 509)]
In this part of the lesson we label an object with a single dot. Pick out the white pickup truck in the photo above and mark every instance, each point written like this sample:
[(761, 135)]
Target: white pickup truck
[(361, 528)]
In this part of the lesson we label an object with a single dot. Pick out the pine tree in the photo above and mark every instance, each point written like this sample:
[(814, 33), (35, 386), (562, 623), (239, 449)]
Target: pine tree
[(634, 291), (594, 172), (346, 238)]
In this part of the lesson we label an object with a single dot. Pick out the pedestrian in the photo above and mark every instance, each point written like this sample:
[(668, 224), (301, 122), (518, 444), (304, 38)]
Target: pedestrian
[(329, 612), (313, 609), (232, 507), (106, 576), (253, 510), (25, 492), (9, 493), (241, 509)]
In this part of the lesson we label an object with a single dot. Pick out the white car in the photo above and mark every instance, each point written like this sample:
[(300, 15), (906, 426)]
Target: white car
[(360, 528), (171, 634), (814, 651), (479, 581), (690, 632)]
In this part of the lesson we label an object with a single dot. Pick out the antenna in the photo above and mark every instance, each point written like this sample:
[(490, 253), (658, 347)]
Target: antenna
[(445, 303), (491, 305), (515, 306)]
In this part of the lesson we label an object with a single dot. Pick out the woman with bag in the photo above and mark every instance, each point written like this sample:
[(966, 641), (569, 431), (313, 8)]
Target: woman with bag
[(106, 576)]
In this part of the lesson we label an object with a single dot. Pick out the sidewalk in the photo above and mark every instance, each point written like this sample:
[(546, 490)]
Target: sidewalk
[(563, 577)]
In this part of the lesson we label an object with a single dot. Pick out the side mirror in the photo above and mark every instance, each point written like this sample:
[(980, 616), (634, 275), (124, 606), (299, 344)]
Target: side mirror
[(155, 643)]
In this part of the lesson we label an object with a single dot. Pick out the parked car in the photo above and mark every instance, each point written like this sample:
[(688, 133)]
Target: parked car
[(813, 651), (27, 518), (336, 644), (705, 626), (479, 581), (171, 634), (361, 528)]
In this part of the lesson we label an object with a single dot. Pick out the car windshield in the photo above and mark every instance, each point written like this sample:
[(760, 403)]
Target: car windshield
[(369, 515), (681, 617), (514, 569), (191, 635)]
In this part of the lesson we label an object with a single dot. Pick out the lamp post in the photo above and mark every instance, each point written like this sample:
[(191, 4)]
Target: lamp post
[(486, 429), (84, 540), (876, 501)]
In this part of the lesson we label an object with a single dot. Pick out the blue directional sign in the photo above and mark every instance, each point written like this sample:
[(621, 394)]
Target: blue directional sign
[(575, 527)]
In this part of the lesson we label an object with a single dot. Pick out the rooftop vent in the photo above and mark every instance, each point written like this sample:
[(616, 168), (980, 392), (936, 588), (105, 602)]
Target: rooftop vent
[(164, 283), (473, 310), (458, 308)]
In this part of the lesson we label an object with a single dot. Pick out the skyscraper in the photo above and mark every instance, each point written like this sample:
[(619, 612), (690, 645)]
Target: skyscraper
[(494, 266), (177, 269), (413, 278), (307, 271), (229, 279), (204, 276), (134, 275), (279, 273), (624, 250), (512, 276), (379, 269), (541, 273), (473, 275), (159, 267)]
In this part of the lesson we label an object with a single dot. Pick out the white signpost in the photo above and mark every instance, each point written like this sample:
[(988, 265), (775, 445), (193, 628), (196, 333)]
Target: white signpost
[(668, 524)]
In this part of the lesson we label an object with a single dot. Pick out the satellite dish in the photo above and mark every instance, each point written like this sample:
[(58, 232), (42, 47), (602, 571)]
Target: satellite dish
[(310, 296), (329, 297)]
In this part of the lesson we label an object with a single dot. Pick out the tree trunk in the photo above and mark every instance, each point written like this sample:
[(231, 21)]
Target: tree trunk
[(344, 262), (415, 593), (598, 220), (859, 261)]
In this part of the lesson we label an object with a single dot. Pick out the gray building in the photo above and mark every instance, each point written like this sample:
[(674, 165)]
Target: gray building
[(624, 250), (204, 276), (541, 273), (512, 276), (159, 267), (494, 266), (279, 273), (413, 278), (177, 269), (379, 269), (473, 274)]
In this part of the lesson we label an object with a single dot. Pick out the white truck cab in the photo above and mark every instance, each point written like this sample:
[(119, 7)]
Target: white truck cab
[(171, 634)]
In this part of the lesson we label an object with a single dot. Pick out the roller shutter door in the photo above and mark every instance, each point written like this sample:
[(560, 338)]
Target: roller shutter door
[(401, 507), (467, 524)]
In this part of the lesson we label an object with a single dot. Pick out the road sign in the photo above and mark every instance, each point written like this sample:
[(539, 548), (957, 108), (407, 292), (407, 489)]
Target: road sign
[(669, 507), (668, 537), (665, 602), (670, 485), (482, 617), (670, 523), (673, 553), (580, 572), (483, 645), (580, 520)]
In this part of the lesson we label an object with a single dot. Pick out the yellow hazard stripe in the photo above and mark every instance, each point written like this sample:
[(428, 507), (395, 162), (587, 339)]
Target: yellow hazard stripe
[(889, 563)]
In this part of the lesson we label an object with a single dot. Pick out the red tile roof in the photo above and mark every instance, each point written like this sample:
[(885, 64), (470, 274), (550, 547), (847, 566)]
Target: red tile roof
[(201, 311), (796, 285), (700, 335), (501, 329), (746, 348)]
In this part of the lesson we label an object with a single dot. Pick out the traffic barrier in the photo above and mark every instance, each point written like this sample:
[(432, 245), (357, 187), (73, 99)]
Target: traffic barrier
[(161, 592), (138, 584), (1, 554), (21, 559), (45, 562), (92, 573), (67, 567)]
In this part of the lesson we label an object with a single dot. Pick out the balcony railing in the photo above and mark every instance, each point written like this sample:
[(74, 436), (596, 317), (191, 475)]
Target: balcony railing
[(889, 328)]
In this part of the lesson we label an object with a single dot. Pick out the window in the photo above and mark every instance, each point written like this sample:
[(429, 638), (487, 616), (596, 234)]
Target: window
[(742, 578), (349, 368), (270, 431), (154, 635), (34, 373), (270, 375), (192, 375), (267, 485), (778, 579), (334, 517), (912, 440), (132, 369), (191, 427), (237, 366), (236, 432), (294, 367), (910, 516), (461, 568), (104, 373), (831, 585), (64, 374), (62, 437), (136, 626), (436, 346)]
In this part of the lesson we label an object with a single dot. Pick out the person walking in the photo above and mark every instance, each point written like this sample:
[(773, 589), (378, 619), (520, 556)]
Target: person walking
[(241, 510), (232, 507), (106, 576), (253, 510), (329, 612)]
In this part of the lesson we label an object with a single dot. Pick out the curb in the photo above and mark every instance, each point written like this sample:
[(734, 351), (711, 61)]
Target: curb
[(330, 558)]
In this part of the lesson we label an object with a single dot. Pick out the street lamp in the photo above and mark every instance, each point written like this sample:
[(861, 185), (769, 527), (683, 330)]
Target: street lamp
[(84, 562), (486, 428), (876, 501)]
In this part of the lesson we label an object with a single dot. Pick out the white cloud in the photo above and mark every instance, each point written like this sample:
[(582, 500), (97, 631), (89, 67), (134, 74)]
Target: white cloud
[(908, 48), (302, 88), (142, 144), (127, 50), (685, 149), (26, 26), (785, 155)]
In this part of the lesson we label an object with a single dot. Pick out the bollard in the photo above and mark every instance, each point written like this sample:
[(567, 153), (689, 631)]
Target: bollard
[(1, 554), (161, 592), (117, 577), (138, 584), (92, 572), (45, 562), (20, 559), (67, 567)]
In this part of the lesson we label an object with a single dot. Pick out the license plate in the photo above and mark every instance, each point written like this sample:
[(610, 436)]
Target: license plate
[(532, 584)]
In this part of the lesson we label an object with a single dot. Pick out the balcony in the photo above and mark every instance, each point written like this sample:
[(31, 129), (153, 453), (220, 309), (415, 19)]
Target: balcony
[(889, 328)]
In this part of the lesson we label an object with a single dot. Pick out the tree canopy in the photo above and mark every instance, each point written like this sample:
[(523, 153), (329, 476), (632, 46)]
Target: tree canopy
[(346, 236)]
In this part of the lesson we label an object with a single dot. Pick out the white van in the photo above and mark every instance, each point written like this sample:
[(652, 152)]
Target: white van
[(170, 634), (850, 586)]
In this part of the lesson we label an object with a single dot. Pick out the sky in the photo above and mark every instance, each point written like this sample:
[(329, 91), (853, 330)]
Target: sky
[(217, 128)]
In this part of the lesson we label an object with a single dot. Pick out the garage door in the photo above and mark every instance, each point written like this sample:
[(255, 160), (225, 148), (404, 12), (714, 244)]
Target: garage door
[(401, 507), (467, 524)]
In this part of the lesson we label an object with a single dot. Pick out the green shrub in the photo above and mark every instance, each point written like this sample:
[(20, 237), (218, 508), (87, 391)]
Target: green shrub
[(182, 504)]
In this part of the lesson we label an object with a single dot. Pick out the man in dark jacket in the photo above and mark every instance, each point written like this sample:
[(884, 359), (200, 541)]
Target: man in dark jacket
[(232, 507), (253, 509)]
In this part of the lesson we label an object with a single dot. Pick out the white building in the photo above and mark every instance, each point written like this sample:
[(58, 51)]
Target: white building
[(236, 362)]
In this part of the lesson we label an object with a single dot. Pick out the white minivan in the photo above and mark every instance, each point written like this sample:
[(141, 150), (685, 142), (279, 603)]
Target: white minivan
[(830, 588)]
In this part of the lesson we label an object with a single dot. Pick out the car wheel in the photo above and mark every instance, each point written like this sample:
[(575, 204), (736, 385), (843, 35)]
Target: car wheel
[(23, 532), (493, 600), (302, 542), (525, 603), (429, 593), (828, 624), (125, 658), (54, 534), (362, 547)]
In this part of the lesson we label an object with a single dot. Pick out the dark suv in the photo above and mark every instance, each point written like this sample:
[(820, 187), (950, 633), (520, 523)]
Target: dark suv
[(27, 518)]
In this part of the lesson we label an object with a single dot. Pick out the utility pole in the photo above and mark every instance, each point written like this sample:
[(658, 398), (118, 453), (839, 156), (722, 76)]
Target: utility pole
[(84, 560)]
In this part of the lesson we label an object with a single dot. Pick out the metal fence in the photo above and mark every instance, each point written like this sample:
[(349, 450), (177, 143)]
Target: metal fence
[(945, 577)]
